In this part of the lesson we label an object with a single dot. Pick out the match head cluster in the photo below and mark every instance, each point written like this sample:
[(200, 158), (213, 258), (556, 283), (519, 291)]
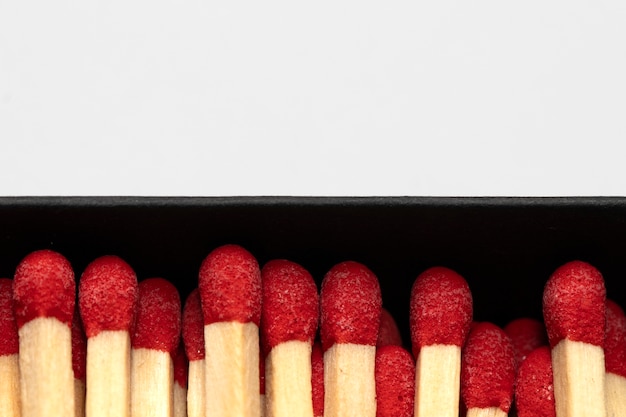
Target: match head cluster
[(498, 368)]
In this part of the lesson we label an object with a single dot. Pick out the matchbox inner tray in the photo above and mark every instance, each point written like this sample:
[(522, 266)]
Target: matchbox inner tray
[(506, 248)]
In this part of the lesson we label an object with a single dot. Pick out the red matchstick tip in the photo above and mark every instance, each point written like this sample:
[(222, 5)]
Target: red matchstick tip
[(615, 341), (574, 304), (107, 295), (534, 389), (44, 286), (317, 379), (395, 382), (388, 333), (181, 364), (440, 310), (9, 342), (79, 348), (158, 321), (193, 327), (350, 303), (230, 286), (290, 304), (487, 368), (526, 334)]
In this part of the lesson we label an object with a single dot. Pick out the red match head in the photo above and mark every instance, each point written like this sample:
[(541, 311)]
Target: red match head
[(395, 382), (350, 303), (9, 342), (158, 321), (317, 379), (44, 287), (290, 307), (79, 348), (534, 389), (179, 359), (487, 368), (574, 304), (388, 332), (193, 327), (107, 295), (615, 342), (230, 286), (441, 309), (526, 334)]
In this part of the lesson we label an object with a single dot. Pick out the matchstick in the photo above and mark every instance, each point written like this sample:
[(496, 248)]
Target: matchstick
[(9, 359), (534, 388), (193, 338), (487, 372), (155, 336), (230, 291), (289, 317), (350, 303), (107, 297), (395, 382), (440, 318), (44, 295), (574, 312)]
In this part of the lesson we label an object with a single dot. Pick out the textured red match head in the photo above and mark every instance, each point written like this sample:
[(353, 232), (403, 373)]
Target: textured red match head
[(526, 334), (230, 286), (290, 306), (615, 341), (9, 342), (107, 295), (574, 304), (317, 379), (79, 348), (181, 365), (388, 332), (440, 310), (487, 368), (395, 382), (44, 287), (350, 303), (534, 389), (158, 321), (193, 327)]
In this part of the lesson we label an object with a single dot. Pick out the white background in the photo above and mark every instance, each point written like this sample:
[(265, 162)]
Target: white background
[(312, 98)]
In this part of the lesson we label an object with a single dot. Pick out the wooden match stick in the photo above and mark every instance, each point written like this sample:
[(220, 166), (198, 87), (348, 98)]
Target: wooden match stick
[(181, 366), (317, 379), (230, 291), (534, 389), (44, 295), (440, 318), (350, 303), (574, 313), (615, 360), (107, 298), (9, 359), (155, 336), (487, 372), (395, 382), (289, 317), (193, 338)]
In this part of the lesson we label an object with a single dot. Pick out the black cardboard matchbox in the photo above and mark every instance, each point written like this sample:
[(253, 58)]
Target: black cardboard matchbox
[(505, 247)]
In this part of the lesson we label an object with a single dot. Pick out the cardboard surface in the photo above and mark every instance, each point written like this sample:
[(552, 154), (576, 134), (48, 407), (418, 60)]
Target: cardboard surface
[(505, 247)]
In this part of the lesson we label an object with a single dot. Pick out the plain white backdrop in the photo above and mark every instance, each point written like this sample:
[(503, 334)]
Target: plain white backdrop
[(312, 98)]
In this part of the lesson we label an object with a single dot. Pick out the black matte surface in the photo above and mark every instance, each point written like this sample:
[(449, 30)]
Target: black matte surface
[(505, 247)]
